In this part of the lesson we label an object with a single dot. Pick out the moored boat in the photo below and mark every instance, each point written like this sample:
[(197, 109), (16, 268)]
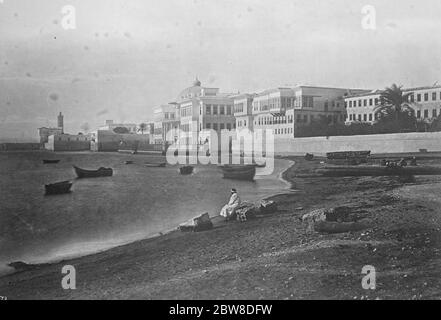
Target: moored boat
[(51, 161), (155, 165), (186, 170), (348, 171), (58, 188), (101, 172), (348, 154), (239, 172)]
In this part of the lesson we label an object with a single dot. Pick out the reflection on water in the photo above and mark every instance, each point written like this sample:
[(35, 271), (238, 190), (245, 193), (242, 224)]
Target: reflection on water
[(137, 202)]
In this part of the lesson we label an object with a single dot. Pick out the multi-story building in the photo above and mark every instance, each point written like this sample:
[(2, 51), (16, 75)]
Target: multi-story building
[(202, 109), (44, 133), (166, 123), (425, 101), (273, 109), (282, 109), (243, 107)]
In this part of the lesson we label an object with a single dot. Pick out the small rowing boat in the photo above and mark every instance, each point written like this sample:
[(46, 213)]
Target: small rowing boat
[(48, 161), (101, 172), (58, 188), (347, 154), (186, 170), (373, 171), (155, 165)]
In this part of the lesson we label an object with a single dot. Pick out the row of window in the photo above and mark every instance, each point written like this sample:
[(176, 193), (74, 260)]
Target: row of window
[(418, 97), (274, 120), (169, 115), (76, 139), (362, 102), (360, 117), (218, 109), (219, 126), (239, 107), (283, 131), (274, 103), (370, 116), (414, 97), (241, 123)]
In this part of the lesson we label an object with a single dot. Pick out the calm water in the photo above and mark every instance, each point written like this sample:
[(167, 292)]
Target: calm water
[(137, 202)]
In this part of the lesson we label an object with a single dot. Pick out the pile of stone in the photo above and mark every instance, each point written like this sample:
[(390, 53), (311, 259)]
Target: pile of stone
[(249, 210), (333, 220), (197, 224)]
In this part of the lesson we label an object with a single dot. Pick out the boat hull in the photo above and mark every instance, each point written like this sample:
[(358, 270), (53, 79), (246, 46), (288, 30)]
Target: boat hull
[(101, 172), (347, 154), (186, 170), (156, 165), (374, 171), (51, 161), (58, 188)]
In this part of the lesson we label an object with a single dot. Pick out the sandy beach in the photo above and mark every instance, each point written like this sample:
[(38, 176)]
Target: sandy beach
[(273, 256)]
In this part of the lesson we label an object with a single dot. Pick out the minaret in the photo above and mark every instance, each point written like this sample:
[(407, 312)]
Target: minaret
[(61, 122)]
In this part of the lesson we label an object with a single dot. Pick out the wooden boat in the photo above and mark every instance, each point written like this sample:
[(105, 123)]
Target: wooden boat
[(101, 172), (348, 171), (58, 188), (186, 170), (348, 154), (156, 165), (239, 172), (309, 156), (129, 162), (48, 161)]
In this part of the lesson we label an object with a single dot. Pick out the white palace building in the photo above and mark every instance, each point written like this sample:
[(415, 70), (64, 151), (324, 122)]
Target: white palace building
[(198, 109)]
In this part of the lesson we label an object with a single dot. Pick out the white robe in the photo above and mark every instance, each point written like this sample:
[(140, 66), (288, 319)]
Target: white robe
[(230, 208)]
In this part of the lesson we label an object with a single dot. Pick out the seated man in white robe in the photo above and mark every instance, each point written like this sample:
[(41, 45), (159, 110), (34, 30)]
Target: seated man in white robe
[(230, 209)]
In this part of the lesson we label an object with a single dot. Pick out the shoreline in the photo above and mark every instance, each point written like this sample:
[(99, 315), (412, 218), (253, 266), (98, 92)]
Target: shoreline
[(271, 257), (29, 266)]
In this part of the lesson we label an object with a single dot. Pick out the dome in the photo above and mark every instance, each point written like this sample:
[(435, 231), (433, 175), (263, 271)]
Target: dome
[(191, 92), (197, 83)]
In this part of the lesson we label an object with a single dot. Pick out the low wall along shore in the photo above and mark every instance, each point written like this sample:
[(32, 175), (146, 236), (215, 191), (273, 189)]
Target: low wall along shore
[(378, 143)]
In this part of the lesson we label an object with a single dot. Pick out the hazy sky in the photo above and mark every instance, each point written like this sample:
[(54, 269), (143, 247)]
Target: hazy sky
[(126, 57)]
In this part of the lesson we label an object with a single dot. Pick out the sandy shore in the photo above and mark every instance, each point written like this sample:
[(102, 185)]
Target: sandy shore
[(273, 257)]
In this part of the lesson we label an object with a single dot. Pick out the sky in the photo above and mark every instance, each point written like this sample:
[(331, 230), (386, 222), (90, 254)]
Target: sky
[(124, 58)]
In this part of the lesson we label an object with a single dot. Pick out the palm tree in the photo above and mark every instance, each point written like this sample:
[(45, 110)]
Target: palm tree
[(142, 127), (393, 102)]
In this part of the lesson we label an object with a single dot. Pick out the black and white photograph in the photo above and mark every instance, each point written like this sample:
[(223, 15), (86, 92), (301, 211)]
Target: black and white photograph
[(240, 151)]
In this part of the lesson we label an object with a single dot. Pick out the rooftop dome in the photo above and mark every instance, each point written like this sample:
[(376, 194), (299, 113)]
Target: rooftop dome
[(197, 83), (191, 92)]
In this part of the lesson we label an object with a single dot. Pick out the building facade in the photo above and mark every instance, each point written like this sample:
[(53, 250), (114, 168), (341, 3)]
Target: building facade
[(44, 133), (243, 111), (111, 125), (283, 109), (166, 124), (425, 101), (68, 142)]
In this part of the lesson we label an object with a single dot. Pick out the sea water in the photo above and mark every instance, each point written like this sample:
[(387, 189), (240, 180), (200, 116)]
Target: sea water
[(137, 202)]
